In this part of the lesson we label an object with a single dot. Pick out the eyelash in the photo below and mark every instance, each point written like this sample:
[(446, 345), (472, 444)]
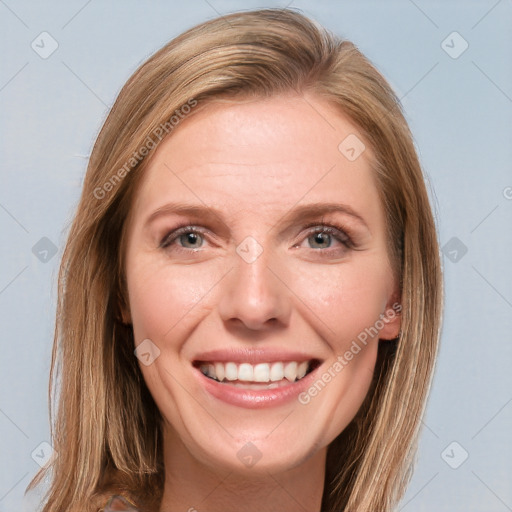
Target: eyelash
[(337, 232)]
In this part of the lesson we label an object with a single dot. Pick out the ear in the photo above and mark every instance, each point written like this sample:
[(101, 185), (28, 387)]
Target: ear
[(126, 317), (123, 308), (391, 318)]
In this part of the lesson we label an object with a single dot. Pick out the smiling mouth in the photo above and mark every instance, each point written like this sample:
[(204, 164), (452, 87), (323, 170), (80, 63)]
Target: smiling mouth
[(257, 376)]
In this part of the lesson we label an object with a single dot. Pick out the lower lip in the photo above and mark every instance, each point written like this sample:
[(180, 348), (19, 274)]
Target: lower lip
[(252, 398)]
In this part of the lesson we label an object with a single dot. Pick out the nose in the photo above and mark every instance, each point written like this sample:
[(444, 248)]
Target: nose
[(255, 295)]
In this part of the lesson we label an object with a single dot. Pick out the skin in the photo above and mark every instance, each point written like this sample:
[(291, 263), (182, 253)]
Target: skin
[(254, 161)]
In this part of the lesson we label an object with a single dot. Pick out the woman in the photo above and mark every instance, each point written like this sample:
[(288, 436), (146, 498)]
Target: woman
[(211, 355)]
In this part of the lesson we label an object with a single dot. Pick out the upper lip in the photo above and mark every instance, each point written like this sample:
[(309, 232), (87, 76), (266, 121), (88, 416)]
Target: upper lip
[(252, 356)]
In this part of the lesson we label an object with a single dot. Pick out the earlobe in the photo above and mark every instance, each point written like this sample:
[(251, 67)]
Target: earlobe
[(124, 314), (392, 321), (126, 317)]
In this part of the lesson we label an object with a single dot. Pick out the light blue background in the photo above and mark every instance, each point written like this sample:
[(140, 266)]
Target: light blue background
[(460, 112)]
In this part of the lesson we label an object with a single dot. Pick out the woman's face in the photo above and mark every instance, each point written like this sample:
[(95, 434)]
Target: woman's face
[(250, 290)]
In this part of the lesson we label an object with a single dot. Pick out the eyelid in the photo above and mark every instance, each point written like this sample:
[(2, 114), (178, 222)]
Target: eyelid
[(332, 228), (339, 232), (173, 234)]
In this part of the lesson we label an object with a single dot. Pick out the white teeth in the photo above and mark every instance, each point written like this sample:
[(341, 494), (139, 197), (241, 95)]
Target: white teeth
[(261, 372), (276, 372), (219, 371), (258, 373), (301, 369), (245, 372), (231, 371), (290, 371)]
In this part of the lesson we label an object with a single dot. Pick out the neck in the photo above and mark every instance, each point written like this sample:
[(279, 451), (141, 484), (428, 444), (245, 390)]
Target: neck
[(192, 486)]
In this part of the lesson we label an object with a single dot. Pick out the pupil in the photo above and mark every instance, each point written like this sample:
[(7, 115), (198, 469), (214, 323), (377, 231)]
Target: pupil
[(321, 238), (190, 238)]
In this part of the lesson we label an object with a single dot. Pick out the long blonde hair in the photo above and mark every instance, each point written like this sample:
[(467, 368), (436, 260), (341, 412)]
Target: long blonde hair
[(106, 429)]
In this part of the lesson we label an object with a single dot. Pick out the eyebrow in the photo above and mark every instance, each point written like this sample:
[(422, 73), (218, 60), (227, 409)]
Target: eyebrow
[(294, 215)]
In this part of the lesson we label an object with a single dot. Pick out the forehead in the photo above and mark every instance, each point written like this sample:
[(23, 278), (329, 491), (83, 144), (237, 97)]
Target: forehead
[(261, 154)]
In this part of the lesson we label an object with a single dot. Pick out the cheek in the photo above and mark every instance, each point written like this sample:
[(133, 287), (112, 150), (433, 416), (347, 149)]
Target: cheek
[(163, 299), (346, 299), (166, 303)]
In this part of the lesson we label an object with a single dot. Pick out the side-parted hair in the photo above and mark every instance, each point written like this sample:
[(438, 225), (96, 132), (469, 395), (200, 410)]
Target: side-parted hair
[(106, 428)]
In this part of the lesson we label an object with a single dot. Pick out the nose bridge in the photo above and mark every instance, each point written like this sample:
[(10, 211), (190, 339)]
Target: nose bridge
[(254, 295)]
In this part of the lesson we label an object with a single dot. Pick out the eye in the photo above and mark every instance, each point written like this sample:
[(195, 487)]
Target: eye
[(324, 239), (329, 238), (189, 238)]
